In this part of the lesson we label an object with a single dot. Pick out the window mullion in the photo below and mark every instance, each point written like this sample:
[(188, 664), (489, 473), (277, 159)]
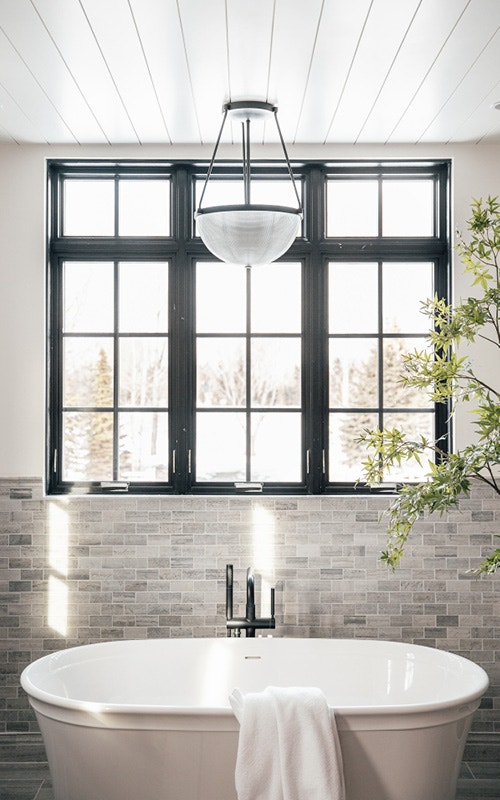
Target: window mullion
[(54, 363), (116, 370), (248, 377), (181, 355), (182, 359), (315, 339), (380, 207), (117, 205), (380, 339), (315, 374)]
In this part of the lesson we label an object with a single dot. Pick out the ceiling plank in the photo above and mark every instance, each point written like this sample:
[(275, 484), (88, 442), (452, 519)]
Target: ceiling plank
[(25, 31), (160, 31), (70, 31), (250, 29), (378, 47), (336, 44), (483, 122), (469, 98), (433, 24), (204, 35), (293, 44), (114, 28), (5, 137), (250, 35), (20, 84), (16, 126), (469, 38)]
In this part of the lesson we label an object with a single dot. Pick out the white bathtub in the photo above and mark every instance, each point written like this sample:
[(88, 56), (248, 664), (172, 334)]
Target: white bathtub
[(151, 719)]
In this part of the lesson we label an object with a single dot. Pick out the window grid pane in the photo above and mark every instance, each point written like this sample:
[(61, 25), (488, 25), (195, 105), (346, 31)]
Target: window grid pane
[(256, 364), (366, 208), (106, 374), (352, 208), (143, 207), (105, 207), (366, 372), (407, 208), (89, 207)]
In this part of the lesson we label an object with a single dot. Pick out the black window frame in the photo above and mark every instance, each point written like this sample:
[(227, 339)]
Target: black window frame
[(183, 249)]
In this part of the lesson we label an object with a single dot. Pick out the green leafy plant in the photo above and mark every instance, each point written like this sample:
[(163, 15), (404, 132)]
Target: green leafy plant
[(450, 378)]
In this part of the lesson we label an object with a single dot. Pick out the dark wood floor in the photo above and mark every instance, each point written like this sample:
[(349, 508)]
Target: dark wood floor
[(31, 781)]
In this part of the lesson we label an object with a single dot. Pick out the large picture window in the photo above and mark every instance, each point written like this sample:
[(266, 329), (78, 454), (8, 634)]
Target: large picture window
[(170, 371)]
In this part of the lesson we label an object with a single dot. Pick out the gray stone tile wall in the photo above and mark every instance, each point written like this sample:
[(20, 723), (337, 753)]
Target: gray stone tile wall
[(75, 570)]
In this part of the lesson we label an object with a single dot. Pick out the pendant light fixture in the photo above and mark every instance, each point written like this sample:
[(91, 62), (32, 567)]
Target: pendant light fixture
[(248, 234)]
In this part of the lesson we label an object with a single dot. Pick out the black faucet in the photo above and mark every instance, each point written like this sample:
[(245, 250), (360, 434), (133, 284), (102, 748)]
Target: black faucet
[(249, 623)]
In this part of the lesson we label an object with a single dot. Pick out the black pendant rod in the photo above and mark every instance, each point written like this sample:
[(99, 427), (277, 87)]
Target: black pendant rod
[(245, 127), (213, 157), (246, 152), (287, 159)]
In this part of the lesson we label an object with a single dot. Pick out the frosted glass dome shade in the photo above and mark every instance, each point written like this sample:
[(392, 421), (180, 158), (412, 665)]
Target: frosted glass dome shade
[(249, 235)]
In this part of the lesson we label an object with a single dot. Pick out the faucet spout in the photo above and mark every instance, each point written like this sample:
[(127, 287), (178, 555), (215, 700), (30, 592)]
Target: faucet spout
[(249, 623)]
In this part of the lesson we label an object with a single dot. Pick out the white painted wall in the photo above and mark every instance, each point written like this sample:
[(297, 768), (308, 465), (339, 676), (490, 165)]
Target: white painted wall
[(476, 173)]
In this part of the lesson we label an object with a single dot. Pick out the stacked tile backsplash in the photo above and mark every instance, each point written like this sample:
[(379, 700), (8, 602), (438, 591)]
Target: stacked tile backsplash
[(75, 570)]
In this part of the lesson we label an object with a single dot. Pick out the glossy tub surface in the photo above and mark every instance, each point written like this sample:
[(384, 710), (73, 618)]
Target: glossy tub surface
[(151, 719)]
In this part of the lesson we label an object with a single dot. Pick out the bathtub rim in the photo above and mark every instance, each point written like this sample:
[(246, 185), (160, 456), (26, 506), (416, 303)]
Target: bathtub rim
[(454, 708), (223, 720)]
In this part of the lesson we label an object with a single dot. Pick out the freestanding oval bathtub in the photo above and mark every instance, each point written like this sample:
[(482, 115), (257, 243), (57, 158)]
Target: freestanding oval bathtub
[(151, 719)]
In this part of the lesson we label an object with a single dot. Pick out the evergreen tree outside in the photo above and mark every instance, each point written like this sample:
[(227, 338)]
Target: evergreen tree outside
[(76, 436), (100, 445), (78, 393)]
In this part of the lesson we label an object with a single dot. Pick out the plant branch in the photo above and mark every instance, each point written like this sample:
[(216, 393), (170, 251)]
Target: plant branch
[(448, 377)]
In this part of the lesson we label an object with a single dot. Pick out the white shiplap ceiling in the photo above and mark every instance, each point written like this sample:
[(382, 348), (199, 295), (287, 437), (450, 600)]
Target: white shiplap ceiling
[(340, 71)]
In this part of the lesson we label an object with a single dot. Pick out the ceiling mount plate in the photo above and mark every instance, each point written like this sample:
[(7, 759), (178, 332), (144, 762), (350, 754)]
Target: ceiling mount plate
[(249, 109)]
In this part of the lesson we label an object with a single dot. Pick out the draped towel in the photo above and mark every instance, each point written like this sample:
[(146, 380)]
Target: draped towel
[(288, 746)]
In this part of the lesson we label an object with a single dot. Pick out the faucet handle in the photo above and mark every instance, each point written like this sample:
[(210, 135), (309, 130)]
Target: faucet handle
[(229, 591), (272, 603)]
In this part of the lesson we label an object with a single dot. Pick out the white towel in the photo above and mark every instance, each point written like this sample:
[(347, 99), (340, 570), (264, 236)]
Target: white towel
[(288, 746)]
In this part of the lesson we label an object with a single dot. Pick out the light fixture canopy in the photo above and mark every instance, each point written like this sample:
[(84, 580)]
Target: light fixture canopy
[(248, 234)]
